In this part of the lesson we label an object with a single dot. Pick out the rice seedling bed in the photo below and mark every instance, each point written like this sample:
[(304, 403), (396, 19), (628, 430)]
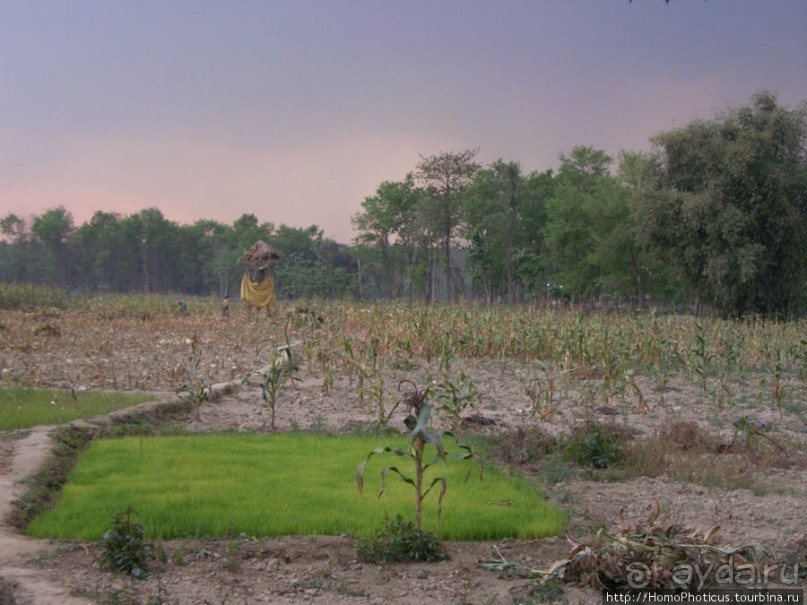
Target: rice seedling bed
[(22, 408), (282, 484)]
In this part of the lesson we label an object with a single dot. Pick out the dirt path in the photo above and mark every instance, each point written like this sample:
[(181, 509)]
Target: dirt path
[(23, 454)]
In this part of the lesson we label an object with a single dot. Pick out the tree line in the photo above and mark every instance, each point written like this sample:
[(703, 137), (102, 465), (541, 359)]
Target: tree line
[(714, 214), (145, 252)]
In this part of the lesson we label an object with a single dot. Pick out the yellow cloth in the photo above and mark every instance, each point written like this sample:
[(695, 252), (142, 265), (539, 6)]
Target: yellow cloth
[(259, 293)]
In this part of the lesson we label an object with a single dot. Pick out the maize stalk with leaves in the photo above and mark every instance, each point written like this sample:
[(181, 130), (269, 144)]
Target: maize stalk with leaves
[(421, 442)]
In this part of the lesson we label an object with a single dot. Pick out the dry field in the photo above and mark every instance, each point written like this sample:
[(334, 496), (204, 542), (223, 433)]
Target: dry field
[(715, 419)]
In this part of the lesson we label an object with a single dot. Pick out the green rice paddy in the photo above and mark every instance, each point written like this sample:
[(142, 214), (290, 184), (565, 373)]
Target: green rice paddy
[(282, 484), (23, 408)]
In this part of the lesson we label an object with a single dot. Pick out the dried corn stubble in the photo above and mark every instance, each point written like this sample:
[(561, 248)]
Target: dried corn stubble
[(655, 554)]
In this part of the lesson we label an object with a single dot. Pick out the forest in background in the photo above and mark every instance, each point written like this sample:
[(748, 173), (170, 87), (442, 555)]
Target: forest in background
[(714, 214)]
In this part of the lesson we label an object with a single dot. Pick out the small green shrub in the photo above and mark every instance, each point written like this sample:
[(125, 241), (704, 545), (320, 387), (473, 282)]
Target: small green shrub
[(594, 445), (124, 548), (399, 541)]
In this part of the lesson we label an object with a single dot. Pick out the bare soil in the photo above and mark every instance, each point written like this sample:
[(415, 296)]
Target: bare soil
[(752, 498)]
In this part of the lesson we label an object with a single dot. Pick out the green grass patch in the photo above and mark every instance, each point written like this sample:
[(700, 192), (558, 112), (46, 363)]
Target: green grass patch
[(23, 408), (284, 484)]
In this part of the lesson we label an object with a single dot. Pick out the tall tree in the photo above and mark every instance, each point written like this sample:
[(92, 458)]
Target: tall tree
[(581, 184), (99, 257), (156, 238), (490, 220), (446, 177), (310, 264), (16, 258), (590, 234), (52, 229), (730, 209), (385, 225), (530, 258)]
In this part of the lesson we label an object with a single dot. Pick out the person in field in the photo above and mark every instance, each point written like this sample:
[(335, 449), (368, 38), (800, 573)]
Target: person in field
[(257, 285)]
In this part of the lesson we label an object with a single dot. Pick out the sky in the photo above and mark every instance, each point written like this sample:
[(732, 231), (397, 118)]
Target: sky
[(296, 110)]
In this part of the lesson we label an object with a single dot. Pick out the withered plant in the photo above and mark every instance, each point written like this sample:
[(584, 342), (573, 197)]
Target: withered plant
[(654, 554)]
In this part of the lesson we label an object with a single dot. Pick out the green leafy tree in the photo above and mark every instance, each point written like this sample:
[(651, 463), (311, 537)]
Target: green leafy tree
[(15, 257), (582, 183), (530, 258), (491, 214), (311, 265), (53, 229), (446, 177), (729, 207), (98, 252), (208, 260), (590, 233), (386, 225), (247, 230), (153, 240)]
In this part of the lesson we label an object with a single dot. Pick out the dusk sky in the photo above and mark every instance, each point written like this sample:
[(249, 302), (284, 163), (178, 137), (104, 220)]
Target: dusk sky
[(295, 110)]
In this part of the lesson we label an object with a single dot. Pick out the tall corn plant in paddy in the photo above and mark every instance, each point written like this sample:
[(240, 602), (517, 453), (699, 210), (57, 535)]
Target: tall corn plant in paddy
[(420, 412)]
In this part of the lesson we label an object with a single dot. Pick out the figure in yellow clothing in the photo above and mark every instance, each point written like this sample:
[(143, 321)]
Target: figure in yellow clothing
[(257, 286), (259, 294)]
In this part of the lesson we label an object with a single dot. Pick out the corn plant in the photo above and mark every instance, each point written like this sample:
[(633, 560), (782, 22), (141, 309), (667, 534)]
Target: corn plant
[(700, 358), (376, 391), (445, 349), (721, 394), (355, 367), (456, 394), (753, 433), (661, 375), (420, 412), (541, 392), (777, 381), (273, 377), (378, 397), (196, 389), (629, 385)]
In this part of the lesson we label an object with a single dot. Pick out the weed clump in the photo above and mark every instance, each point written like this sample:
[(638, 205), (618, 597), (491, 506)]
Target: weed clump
[(524, 446), (399, 541), (594, 445)]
